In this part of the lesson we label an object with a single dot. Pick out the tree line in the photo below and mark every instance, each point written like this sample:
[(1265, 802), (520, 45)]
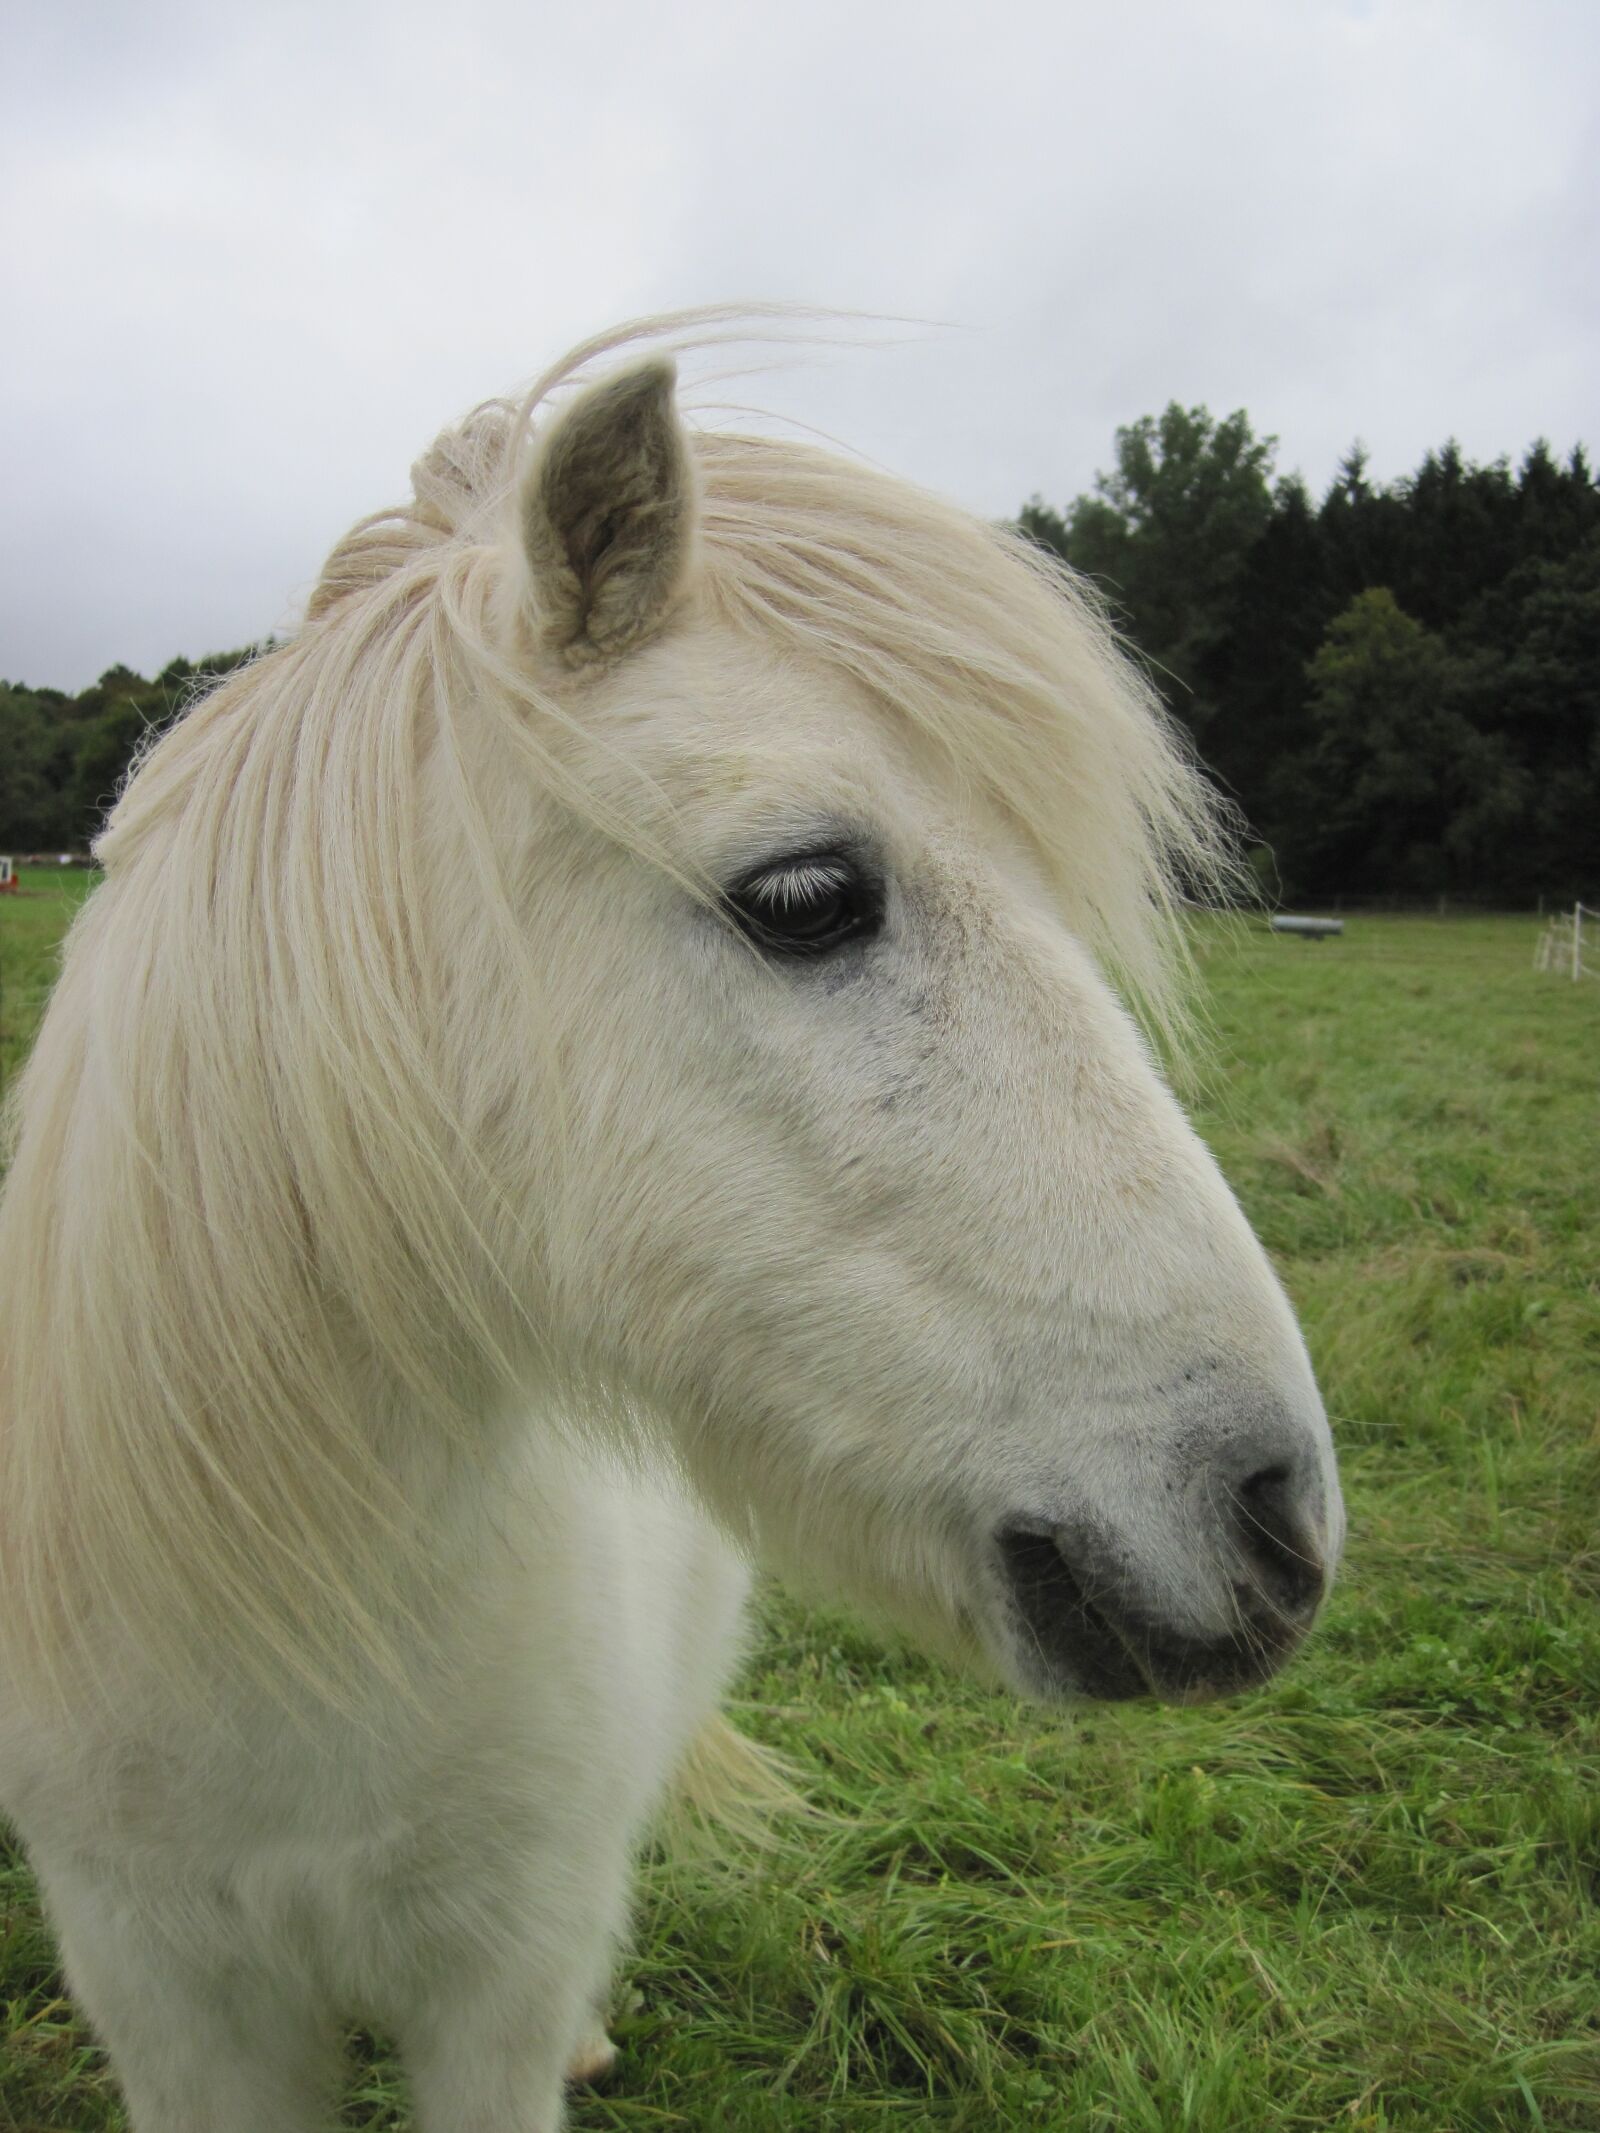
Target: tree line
[(62, 758), (1398, 686)]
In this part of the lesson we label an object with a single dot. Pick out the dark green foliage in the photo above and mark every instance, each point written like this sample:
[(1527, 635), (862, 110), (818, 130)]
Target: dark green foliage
[(63, 758), (1400, 685), (1402, 791), (35, 767), (1167, 535)]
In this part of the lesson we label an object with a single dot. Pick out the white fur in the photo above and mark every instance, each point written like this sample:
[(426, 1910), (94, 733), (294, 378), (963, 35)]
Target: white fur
[(231, 1889), (432, 1229)]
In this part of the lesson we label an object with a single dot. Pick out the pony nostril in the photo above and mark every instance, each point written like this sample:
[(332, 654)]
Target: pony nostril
[(1071, 1634), (1276, 1540)]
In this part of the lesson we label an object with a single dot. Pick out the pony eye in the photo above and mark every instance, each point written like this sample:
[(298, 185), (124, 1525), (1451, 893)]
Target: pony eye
[(807, 905)]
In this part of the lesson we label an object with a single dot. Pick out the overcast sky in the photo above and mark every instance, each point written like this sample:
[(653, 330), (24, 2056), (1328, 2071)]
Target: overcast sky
[(255, 256)]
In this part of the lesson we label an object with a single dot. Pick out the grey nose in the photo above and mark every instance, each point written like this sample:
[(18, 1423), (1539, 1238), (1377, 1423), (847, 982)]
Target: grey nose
[(1091, 1620)]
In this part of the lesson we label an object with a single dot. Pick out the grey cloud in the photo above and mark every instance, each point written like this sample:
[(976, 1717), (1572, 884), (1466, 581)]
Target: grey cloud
[(257, 262)]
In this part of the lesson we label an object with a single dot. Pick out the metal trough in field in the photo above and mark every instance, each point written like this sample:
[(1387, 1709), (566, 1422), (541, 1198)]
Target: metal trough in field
[(1310, 929)]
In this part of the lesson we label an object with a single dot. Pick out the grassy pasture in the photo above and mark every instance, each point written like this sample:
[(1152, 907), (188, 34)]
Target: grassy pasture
[(1364, 1897)]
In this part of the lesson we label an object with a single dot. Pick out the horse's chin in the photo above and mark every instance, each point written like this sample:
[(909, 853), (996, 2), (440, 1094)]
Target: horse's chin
[(1108, 1672), (1057, 1643)]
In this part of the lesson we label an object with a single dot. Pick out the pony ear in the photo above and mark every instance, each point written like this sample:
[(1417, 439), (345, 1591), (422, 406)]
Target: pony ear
[(607, 514)]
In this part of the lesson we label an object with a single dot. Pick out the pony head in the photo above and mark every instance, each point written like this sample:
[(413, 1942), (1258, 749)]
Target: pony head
[(660, 948), (868, 1186)]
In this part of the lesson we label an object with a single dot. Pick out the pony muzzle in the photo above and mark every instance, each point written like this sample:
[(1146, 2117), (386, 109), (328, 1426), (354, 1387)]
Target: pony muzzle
[(1082, 1621)]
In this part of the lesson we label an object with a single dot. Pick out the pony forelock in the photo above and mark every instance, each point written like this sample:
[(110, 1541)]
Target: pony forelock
[(245, 1217)]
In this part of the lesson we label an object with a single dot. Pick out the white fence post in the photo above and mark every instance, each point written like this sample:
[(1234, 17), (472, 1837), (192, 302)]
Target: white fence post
[(1560, 944)]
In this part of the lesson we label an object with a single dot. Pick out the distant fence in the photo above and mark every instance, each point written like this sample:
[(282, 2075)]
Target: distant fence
[(1570, 944)]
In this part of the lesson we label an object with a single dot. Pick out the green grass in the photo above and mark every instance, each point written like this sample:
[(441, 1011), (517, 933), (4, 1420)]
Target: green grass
[(33, 919), (1363, 1897)]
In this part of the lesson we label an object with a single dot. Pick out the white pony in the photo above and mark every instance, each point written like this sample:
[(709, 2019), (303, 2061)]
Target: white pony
[(597, 1062)]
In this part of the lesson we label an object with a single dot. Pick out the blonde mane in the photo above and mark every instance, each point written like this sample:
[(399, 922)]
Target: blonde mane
[(246, 1209)]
